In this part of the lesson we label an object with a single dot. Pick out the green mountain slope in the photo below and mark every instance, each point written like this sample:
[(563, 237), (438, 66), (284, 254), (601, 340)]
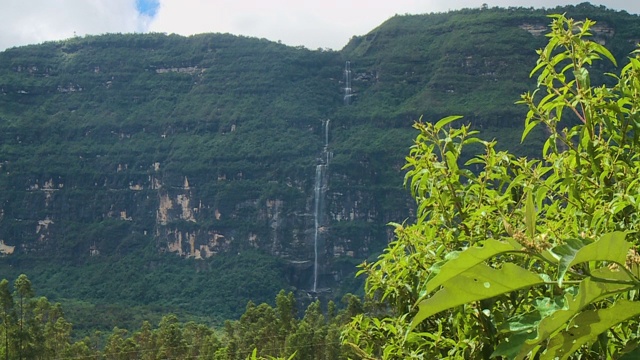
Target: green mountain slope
[(179, 174)]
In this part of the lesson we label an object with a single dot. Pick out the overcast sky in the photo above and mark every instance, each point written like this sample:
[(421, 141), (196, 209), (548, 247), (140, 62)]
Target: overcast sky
[(314, 24)]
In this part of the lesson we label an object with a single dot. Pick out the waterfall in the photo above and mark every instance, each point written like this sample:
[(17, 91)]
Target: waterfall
[(328, 154), (347, 88), (326, 135), (316, 217), (319, 189)]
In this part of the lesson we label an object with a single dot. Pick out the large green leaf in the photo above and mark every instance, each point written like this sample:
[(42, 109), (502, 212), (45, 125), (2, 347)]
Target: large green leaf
[(604, 51), (530, 215), (587, 326), (468, 259), (510, 347), (522, 327), (567, 252), (588, 292), (582, 76), (452, 165), (476, 283), (610, 247), (444, 121), (632, 355)]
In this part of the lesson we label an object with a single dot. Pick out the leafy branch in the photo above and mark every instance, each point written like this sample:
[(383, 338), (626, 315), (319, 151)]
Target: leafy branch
[(526, 258)]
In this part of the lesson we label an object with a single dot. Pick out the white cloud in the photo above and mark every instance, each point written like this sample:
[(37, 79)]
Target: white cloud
[(328, 23), (27, 22)]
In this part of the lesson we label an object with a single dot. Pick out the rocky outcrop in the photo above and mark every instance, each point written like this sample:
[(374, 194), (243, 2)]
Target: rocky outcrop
[(191, 70), (535, 29), (6, 249)]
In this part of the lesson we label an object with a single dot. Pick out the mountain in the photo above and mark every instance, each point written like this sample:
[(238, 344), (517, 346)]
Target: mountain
[(148, 173)]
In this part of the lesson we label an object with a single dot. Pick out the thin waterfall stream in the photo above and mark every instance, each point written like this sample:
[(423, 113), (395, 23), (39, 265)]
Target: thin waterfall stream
[(348, 91), (320, 185), (319, 190)]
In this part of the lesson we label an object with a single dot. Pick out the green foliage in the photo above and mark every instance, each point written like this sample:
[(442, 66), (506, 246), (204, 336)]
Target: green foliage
[(156, 284), (34, 328), (85, 121), (516, 258), (262, 332)]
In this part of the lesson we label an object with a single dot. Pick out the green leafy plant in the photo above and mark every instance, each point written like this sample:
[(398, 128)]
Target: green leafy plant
[(520, 258)]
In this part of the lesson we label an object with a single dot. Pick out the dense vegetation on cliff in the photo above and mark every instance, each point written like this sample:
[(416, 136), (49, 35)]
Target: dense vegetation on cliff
[(158, 173)]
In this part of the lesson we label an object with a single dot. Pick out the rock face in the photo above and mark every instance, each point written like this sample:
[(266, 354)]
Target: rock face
[(198, 147)]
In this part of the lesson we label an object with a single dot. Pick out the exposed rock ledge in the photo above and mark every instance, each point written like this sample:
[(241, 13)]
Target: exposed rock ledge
[(186, 70), (6, 249)]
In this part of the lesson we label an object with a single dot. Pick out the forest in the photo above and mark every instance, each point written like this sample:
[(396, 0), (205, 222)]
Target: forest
[(34, 328), (513, 235)]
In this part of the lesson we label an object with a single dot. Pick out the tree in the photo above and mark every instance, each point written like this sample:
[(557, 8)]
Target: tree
[(146, 341), (6, 314), (24, 295), (58, 336), (257, 328), (50, 332), (114, 349), (202, 341), (286, 313), (309, 338), (520, 258), (171, 343), (33, 328)]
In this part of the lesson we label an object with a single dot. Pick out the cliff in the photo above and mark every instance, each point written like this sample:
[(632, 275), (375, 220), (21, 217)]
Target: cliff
[(146, 147)]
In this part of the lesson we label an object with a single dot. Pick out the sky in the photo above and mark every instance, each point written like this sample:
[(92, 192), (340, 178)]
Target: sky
[(313, 24)]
